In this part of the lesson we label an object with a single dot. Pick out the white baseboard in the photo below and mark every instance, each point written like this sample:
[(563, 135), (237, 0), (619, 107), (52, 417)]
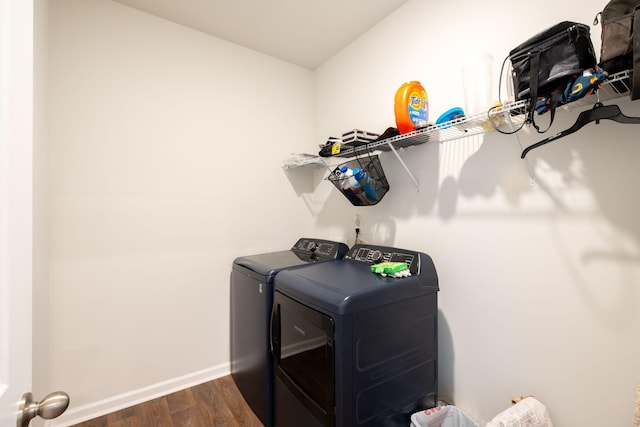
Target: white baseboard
[(75, 415)]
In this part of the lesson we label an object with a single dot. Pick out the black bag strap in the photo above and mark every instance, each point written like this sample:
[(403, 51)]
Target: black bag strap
[(635, 77), (534, 68)]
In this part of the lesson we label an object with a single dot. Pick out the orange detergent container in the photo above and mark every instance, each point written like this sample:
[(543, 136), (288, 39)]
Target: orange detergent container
[(411, 107)]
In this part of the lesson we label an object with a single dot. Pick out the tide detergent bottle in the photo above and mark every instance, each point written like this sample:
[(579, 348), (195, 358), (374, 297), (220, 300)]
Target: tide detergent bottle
[(411, 107)]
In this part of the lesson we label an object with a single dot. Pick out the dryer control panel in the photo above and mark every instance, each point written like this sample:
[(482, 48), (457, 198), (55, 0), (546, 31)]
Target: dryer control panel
[(371, 254), (320, 249)]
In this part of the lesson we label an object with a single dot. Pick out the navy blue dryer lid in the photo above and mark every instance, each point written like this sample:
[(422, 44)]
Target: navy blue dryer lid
[(344, 286)]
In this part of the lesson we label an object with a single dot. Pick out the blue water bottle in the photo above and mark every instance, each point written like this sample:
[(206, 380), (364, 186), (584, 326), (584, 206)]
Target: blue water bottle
[(369, 185)]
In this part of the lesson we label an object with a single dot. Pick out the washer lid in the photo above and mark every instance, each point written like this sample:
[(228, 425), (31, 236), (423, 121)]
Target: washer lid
[(305, 251), (270, 263)]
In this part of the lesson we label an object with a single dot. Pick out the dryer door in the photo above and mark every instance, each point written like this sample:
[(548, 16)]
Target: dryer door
[(302, 341)]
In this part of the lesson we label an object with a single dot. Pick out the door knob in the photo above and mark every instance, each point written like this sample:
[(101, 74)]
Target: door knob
[(52, 406)]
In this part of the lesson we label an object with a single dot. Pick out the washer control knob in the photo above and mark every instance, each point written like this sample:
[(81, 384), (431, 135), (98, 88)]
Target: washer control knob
[(376, 255)]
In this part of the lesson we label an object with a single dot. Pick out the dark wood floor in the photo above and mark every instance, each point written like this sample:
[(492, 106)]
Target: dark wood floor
[(216, 403)]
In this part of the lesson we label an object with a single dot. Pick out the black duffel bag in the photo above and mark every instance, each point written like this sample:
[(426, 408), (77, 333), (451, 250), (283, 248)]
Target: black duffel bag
[(620, 49), (546, 62)]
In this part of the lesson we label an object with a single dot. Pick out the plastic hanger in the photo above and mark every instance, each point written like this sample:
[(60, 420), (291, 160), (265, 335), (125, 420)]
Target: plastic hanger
[(597, 113)]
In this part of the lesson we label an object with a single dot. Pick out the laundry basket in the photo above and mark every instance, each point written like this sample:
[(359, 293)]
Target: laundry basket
[(371, 187)]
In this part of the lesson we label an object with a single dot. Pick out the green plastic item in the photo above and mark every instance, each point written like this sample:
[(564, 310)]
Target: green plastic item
[(389, 267)]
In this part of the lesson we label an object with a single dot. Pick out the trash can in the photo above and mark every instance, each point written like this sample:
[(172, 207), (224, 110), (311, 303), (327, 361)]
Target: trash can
[(442, 416)]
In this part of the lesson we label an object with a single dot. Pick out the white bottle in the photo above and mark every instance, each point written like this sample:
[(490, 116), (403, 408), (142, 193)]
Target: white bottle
[(348, 181)]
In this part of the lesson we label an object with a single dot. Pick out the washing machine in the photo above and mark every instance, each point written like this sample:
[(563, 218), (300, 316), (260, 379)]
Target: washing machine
[(251, 301), (354, 348)]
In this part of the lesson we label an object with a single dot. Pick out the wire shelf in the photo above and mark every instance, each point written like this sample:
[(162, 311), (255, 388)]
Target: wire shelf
[(510, 116), (507, 118)]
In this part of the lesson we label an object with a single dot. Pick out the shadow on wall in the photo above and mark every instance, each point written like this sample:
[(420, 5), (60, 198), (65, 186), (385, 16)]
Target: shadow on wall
[(588, 178), (382, 231), (446, 360), (602, 160), (598, 159), (495, 165), (304, 180), (471, 167), (403, 200)]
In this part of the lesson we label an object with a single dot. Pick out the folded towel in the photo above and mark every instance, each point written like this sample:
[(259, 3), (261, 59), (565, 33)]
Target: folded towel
[(528, 412)]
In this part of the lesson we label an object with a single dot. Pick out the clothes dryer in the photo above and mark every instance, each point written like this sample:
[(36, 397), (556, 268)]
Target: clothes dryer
[(251, 284), (352, 348)]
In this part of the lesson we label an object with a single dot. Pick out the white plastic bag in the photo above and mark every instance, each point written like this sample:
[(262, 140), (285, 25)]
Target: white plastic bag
[(528, 412), (442, 416)]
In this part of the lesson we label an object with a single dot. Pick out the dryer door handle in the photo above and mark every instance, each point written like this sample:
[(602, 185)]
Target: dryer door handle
[(274, 332)]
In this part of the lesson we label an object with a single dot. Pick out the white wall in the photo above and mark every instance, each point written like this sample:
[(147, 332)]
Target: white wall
[(148, 125), (540, 284), (166, 150)]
